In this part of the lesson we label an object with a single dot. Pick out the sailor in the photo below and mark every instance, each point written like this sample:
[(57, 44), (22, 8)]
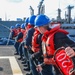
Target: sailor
[(28, 44), (20, 40), (36, 46), (27, 27), (31, 22), (53, 38), (16, 44)]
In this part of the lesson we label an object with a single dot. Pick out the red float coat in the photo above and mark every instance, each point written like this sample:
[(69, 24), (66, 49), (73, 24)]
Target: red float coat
[(15, 32), (21, 39), (26, 30), (35, 44), (48, 43)]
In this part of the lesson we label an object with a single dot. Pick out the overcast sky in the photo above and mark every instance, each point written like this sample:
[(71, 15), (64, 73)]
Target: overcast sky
[(12, 9)]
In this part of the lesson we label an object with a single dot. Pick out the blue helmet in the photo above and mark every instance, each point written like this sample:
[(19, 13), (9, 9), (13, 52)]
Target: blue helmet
[(41, 20), (17, 25), (31, 19), (12, 27), (27, 20), (23, 26)]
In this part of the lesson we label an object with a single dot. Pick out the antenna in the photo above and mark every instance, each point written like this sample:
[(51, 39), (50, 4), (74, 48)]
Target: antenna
[(59, 12), (5, 16), (59, 3), (39, 6), (31, 10), (69, 13)]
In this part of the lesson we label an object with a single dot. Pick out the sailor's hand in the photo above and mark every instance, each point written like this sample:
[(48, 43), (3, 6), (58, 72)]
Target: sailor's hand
[(49, 61), (25, 46), (39, 68), (69, 51)]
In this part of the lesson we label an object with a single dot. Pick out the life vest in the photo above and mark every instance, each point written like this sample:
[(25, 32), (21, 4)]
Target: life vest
[(18, 31), (15, 32), (35, 44), (48, 42), (24, 36), (21, 39), (26, 30)]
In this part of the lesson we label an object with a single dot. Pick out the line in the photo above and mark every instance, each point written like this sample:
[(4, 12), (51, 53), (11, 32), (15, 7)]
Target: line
[(14, 65)]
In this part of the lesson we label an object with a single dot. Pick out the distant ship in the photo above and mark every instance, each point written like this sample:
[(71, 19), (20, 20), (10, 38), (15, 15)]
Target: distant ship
[(70, 28), (5, 27), (68, 23)]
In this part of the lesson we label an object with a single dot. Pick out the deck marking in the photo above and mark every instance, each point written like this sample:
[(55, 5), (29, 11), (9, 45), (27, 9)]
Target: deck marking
[(14, 65)]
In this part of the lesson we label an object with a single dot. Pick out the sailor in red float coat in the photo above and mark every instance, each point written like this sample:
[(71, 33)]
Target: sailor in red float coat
[(20, 40), (16, 44), (54, 37)]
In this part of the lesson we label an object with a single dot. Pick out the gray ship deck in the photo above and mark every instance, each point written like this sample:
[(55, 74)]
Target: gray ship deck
[(9, 63)]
